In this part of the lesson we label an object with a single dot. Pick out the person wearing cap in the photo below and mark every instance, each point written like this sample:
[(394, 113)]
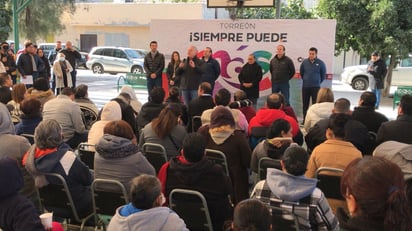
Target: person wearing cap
[(377, 68), (290, 189), (221, 134)]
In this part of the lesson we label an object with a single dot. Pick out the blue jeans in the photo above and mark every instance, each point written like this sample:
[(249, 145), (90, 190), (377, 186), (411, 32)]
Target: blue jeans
[(283, 88), (152, 83), (188, 95), (377, 92), (74, 77)]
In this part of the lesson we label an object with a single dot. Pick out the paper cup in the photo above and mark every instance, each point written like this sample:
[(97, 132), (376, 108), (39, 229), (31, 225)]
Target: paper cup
[(47, 220)]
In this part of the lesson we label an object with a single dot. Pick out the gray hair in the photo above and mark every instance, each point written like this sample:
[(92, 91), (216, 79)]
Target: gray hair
[(48, 134), (144, 191), (239, 95)]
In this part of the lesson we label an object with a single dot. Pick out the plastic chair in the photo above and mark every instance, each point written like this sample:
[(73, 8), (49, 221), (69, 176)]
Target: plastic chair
[(265, 163), (218, 157), (86, 153), (191, 206), (106, 202), (56, 197), (329, 182), (155, 154)]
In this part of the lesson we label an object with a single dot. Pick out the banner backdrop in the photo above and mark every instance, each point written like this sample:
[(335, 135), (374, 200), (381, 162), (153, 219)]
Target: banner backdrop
[(232, 41)]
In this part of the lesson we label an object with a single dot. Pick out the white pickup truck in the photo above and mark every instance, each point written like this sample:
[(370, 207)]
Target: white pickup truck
[(358, 77)]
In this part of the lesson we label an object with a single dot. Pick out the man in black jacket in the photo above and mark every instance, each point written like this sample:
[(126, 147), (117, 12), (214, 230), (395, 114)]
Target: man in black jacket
[(366, 114), (210, 68), (377, 68), (154, 62)]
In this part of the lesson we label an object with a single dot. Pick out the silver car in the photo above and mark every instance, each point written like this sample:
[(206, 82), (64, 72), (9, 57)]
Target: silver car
[(115, 60), (358, 77)]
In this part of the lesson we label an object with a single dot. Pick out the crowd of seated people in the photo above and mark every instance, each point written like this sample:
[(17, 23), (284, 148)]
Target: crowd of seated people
[(335, 137)]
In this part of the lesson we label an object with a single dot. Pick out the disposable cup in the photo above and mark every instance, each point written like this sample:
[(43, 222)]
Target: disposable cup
[(47, 220)]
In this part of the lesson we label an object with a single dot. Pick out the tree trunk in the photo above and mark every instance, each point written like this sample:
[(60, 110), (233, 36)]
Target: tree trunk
[(388, 81)]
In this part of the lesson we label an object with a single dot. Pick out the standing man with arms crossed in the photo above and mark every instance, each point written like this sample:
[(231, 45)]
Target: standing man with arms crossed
[(210, 68), (71, 55), (313, 72), (249, 79), (282, 70), (154, 62)]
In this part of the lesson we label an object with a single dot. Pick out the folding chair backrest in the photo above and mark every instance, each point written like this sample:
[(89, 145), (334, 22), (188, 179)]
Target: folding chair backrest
[(86, 154), (89, 116), (106, 202), (191, 206), (329, 182), (257, 134), (56, 197), (284, 220), (218, 157), (196, 123), (155, 154), (29, 137), (264, 164)]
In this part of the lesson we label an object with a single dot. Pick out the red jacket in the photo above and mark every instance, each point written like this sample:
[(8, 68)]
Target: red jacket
[(265, 117)]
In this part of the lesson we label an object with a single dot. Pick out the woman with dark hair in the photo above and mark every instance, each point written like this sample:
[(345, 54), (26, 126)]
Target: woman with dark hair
[(174, 97), (41, 90), (374, 189), (171, 70), (274, 145), (251, 215), (31, 116), (117, 156), (45, 73), (335, 152), (166, 130)]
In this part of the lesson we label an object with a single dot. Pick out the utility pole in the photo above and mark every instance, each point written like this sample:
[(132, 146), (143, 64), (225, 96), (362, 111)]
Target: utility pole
[(278, 3), (16, 11)]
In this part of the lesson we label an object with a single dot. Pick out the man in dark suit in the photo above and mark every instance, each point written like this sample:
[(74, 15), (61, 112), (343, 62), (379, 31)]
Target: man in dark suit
[(399, 129), (366, 114), (203, 102), (355, 131)]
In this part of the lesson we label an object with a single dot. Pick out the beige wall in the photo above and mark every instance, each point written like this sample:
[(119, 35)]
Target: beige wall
[(129, 22)]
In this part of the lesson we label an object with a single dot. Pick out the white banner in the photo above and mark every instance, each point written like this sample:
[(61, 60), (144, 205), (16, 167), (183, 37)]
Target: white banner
[(232, 41)]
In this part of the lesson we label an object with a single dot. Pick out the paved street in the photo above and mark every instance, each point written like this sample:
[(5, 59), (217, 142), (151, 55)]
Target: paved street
[(102, 88)]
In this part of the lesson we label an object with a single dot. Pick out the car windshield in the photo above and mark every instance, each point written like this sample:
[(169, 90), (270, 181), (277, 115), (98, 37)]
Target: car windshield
[(132, 54)]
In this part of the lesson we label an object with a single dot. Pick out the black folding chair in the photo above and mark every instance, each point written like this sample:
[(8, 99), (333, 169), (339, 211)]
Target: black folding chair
[(196, 123), (218, 157), (57, 198), (191, 206), (29, 137), (89, 116), (155, 154), (86, 153), (265, 163), (329, 182), (105, 202)]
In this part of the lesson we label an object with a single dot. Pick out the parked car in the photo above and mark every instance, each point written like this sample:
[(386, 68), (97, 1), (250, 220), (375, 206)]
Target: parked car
[(115, 60), (358, 77)]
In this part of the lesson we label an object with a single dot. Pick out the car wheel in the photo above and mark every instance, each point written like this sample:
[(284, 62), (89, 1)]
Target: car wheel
[(97, 68), (360, 83), (137, 70)]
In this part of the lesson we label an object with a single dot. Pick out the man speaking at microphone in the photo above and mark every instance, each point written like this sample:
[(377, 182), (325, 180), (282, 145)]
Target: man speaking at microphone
[(190, 74)]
